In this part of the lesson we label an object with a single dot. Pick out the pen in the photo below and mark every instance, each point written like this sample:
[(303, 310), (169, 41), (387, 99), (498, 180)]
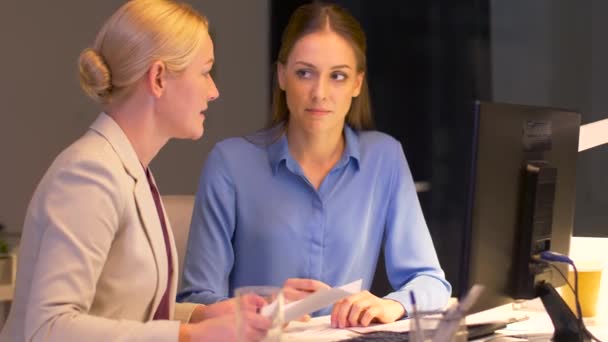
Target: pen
[(417, 336)]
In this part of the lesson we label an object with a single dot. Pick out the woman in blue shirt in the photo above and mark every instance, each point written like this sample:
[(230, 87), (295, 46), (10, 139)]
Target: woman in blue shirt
[(309, 202)]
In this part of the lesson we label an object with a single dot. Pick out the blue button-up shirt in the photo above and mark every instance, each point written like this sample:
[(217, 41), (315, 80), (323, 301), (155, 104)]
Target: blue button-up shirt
[(257, 220)]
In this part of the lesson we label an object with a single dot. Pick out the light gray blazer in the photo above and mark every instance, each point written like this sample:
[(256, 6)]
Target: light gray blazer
[(92, 263)]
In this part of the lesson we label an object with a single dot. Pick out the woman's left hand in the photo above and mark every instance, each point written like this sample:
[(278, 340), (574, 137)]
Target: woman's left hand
[(362, 308)]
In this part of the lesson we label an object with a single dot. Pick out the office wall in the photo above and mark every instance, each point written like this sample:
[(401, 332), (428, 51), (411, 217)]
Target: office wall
[(42, 109), (592, 190), (554, 53), (541, 52)]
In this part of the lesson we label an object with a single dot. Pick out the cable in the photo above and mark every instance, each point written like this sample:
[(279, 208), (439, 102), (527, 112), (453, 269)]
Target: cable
[(548, 257), (555, 257), (563, 277)]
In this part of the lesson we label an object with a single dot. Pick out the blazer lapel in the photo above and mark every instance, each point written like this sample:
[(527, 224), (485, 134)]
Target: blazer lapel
[(108, 128), (151, 224), (174, 256)]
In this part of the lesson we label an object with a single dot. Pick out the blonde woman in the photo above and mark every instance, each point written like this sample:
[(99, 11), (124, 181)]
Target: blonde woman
[(97, 259)]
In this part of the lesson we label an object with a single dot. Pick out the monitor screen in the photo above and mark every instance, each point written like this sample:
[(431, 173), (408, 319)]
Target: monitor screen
[(521, 196)]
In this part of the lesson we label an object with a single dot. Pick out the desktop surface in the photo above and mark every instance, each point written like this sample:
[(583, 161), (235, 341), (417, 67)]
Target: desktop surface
[(533, 322)]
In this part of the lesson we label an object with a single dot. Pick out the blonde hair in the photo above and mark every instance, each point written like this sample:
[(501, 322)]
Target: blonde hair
[(139, 33)]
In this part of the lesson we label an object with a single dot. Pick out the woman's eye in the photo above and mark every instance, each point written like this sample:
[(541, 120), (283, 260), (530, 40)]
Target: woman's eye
[(303, 73), (207, 72), (339, 76)]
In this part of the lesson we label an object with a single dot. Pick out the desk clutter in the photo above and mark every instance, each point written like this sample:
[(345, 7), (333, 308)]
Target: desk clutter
[(474, 331)]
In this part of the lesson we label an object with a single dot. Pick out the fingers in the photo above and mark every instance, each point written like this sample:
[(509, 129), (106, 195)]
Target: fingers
[(292, 295), (305, 284), (304, 318), (258, 321), (253, 335), (298, 288), (255, 326), (370, 315), (341, 311), (252, 302), (357, 310)]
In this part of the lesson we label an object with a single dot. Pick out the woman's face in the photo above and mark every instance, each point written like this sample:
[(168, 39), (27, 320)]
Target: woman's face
[(188, 94), (320, 79)]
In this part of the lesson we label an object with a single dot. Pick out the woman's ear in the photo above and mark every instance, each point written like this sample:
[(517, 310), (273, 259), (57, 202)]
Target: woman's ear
[(281, 75), (358, 84), (156, 78)]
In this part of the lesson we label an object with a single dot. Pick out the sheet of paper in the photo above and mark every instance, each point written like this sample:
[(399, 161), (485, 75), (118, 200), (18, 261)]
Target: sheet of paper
[(318, 330), (499, 314), (314, 302), (593, 134), (400, 326)]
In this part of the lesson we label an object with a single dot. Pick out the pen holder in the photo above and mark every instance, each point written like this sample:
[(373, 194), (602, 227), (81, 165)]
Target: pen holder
[(426, 327)]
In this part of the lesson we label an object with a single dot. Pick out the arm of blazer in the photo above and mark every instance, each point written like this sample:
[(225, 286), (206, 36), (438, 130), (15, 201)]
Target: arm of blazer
[(79, 211)]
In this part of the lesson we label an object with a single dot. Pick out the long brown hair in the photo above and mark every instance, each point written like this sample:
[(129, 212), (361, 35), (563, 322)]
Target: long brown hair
[(317, 17)]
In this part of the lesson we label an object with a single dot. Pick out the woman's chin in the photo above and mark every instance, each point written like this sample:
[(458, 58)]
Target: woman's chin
[(199, 134), (194, 134)]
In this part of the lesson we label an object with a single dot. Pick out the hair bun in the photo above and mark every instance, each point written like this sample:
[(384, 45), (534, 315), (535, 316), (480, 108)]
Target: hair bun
[(95, 76)]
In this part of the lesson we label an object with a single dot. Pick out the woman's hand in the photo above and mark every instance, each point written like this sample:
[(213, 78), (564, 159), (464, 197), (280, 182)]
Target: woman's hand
[(250, 303), (225, 328), (298, 288), (362, 308)]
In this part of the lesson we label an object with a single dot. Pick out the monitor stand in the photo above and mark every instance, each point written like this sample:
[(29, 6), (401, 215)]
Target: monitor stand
[(568, 328)]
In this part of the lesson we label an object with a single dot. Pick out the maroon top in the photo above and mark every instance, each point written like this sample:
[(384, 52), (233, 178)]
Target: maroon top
[(162, 312)]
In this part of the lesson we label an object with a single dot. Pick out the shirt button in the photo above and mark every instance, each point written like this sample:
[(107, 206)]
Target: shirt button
[(317, 204)]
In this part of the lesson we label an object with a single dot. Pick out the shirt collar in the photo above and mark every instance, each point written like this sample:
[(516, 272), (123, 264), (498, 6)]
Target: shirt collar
[(352, 149), (278, 151)]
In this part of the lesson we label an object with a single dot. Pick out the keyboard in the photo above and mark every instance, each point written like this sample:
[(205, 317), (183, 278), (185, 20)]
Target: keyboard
[(475, 331), (388, 336)]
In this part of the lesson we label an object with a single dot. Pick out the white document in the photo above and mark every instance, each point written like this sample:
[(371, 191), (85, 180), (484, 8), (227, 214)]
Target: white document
[(317, 329), (314, 302), (593, 134)]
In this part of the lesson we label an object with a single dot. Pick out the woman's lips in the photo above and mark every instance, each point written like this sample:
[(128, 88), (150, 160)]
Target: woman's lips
[(318, 111)]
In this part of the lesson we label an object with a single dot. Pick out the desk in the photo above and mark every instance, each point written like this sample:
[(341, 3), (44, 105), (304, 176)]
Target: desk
[(538, 325), (581, 248)]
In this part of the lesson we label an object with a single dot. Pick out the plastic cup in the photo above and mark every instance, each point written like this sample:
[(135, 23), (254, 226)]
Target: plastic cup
[(273, 296), (589, 279), (424, 329)]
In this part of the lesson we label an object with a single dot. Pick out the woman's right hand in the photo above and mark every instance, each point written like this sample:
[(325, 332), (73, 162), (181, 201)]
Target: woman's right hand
[(225, 328), (295, 289), (218, 322), (298, 288)]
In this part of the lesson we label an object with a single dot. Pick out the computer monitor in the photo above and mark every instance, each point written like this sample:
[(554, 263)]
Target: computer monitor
[(520, 201)]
